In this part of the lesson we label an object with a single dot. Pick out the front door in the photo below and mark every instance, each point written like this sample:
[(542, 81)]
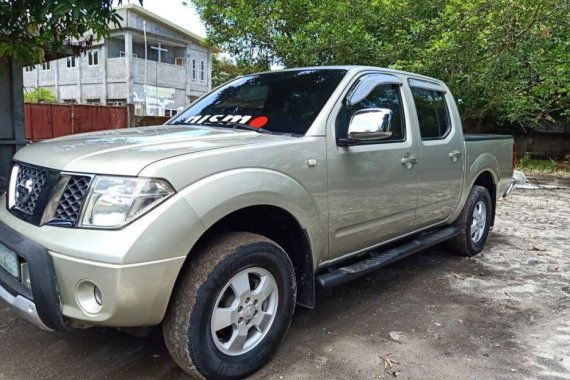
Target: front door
[(372, 193)]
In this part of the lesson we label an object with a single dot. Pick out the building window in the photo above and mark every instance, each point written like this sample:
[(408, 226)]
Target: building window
[(170, 112), (70, 62), (46, 66), (29, 69), (202, 71), (116, 102), (193, 69), (179, 61), (93, 57)]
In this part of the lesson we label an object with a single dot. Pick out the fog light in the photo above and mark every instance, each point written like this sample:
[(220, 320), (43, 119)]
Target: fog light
[(89, 297)]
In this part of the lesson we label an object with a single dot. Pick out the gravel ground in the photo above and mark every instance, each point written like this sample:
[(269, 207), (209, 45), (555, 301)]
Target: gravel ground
[(504, 314)]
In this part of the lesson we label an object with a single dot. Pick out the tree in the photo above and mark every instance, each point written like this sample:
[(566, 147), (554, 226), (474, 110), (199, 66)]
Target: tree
[(224, 69), (29, 28), (506, 60), (40, 95)]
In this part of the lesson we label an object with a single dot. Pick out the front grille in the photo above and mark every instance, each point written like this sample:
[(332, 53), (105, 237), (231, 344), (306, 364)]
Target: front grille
[(30, 182), (72, 199), (44, 196)]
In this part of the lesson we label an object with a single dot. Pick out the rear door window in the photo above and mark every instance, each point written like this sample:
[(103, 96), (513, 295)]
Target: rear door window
[(433, 115)]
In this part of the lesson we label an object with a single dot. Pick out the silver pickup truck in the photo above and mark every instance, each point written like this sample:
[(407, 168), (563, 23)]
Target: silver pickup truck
[(216, 224)]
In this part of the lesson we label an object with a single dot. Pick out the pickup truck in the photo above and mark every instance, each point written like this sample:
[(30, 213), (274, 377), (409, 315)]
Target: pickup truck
[(218, 223)]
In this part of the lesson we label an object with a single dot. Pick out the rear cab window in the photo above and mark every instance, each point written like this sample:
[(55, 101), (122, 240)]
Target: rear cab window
[(432, 111)]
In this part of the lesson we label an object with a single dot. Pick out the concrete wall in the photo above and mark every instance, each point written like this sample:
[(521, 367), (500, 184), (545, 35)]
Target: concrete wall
[(197, 87), (544, 145), (159, 74), (115, 46), (135, 21)]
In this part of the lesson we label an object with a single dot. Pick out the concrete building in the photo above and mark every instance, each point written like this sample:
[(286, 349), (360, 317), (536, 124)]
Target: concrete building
[(173, 70)]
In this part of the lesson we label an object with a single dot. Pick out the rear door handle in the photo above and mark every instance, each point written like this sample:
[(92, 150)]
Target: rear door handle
[(454, 155)]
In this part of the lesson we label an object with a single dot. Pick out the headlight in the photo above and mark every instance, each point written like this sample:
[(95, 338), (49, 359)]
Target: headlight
[(116, 201)]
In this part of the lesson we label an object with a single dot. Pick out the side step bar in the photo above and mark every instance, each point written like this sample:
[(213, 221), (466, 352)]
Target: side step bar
[(375, 260)]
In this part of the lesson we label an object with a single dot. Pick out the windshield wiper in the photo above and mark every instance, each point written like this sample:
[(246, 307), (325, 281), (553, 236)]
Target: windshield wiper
[(234, 125), (179, 122)]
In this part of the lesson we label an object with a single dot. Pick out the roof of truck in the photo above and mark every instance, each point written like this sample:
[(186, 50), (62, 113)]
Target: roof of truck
[(359, 68)]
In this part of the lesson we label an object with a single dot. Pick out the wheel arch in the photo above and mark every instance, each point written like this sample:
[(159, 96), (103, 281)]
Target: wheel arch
[(282, 227)]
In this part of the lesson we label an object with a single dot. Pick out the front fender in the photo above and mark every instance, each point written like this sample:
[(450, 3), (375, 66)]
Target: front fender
[(216, 196)]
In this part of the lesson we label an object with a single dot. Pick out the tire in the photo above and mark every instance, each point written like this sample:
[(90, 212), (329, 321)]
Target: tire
[(214, 276), (474, 232)]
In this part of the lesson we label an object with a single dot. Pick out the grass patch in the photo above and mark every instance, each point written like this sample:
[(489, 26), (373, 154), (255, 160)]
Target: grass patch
[(526, 163)]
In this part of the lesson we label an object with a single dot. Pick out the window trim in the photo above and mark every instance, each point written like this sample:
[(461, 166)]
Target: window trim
[(399, 86), (171, 110), (426, 85), (73, 62), (91, 55), (202, 70)]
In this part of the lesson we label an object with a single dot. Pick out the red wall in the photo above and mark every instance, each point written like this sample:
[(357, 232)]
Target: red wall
[(44, 121)]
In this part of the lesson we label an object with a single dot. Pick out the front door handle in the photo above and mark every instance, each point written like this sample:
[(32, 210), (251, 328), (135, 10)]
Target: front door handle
[(454, 155), (408, 160)]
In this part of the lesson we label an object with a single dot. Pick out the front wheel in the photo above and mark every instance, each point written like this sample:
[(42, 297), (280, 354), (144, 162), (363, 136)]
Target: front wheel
[(232, 308), (474, 222)]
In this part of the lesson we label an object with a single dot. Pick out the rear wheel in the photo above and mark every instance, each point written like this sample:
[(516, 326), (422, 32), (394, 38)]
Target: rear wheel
[(232, 308), (474, 223)]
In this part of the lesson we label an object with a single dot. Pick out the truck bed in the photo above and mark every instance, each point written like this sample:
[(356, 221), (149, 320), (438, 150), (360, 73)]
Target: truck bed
[(500, 147)]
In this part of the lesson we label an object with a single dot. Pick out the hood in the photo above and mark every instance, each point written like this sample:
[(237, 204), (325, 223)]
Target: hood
[(128, 151)]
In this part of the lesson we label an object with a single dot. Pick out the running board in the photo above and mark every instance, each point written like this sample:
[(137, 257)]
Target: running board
[(375, 260)]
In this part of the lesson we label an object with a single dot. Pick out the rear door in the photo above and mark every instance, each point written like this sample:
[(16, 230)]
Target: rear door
[(441, 149), (372, 192)]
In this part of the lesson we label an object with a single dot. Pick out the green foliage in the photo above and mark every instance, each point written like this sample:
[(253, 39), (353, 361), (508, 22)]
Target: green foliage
[(40, 95), (223, 70), (29, 28), (507, 60), (527, 163)]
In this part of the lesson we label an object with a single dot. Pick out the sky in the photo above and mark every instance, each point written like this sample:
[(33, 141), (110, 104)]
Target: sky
[(174, 11)]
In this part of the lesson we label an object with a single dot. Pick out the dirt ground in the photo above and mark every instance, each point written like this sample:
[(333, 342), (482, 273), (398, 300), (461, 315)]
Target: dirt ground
[(502, 315)]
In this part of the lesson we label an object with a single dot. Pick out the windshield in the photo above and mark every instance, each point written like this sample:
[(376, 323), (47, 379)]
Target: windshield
[(280, 102)]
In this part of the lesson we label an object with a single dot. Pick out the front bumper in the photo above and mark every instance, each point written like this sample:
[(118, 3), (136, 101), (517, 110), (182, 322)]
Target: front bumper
[(41, 305), (24, 307), (135, 268)]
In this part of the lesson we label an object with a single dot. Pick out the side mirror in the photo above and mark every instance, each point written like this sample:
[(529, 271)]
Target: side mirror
[(370, 124)]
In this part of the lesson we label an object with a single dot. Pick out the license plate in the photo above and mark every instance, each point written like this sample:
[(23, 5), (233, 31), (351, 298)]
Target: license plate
[(9, 261)]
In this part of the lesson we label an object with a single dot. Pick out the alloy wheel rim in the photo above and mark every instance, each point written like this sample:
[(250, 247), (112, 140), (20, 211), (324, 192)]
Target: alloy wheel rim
[(244, 311), (478, 222)]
